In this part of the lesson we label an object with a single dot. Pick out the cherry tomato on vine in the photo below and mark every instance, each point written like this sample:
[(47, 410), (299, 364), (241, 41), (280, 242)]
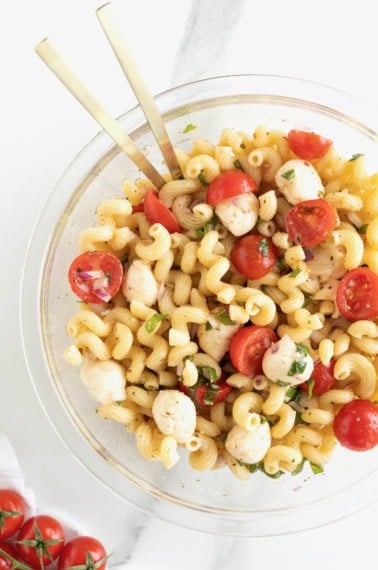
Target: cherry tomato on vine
[(248, 346), (357, 294), (12, 512), (83, 551), (307, 145), (95, 276), (254, 255), (310, 222), (322, 378), (207, 394), (356, 425), (40, 540), (158, 213), (6, 549), (229, 184)]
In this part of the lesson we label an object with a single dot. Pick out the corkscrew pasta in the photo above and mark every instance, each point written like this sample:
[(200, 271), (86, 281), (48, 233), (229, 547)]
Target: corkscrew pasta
[(206, 337)]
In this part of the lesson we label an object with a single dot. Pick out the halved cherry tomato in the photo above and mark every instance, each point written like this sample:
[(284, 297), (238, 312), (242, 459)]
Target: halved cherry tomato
[(322, 377), (158, 213), (356, 425), (206, 394), (308, 146), (310, 222), (40, 540), (229, 184), (254, 255), (95, 276), (248, 346), (12, 512), (6, 549), (138, 208), (357, 294), (84, 552)]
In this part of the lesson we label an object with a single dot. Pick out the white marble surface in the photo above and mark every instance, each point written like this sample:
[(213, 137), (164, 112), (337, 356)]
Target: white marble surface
[(42, 128)]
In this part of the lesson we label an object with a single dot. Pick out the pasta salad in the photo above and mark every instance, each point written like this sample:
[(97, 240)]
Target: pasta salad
[(234, 312)]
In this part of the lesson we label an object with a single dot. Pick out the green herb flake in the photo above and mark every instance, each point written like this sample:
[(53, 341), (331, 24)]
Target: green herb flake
[(208, 326), (316, 469), (299, 467), (291, 393), (310, 387), (281, 265), (282, 383), (264, 247), (297, 367), (153, 321), (362, 229), (242, 146), (289, 174), (355, 156), (302, 349), (223, 317), (272, 475), (208, 373), (237, 164), (202, 179), (296, 272), (209, 225), (189, 127), (307, 300)]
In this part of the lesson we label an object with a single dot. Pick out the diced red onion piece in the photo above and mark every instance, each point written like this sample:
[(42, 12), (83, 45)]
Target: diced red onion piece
[(101, 283), (102, 294), (92, 274)]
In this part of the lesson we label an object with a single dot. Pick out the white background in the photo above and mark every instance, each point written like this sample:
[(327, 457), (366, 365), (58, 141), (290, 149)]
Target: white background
[(42, 128)]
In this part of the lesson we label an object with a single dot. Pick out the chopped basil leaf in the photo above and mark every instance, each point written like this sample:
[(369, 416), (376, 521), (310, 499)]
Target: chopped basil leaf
[(208, 372), (189, 127), (296, 272), (237, 164), (299, 467), (291, 393), (202, 179), (211, 394), (208, 226), (153, 321), (223, 317), (281, 265), (362, 229), (298, 418), (289, 174), (302, 349), (307, 300), (297, 367), (282, 383), (316, 468), (208, 326), (272, 475), (264, 247), (355, 156), (310, 385)]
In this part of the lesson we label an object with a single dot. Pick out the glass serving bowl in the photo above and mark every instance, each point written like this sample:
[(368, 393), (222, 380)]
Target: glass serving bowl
[(212, 501)]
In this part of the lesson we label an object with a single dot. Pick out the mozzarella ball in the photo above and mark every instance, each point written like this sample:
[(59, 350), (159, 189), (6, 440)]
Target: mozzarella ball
[(249, 446), (105, 380), (215, 341), (238, 214), (298, 181), (283, 362), (174, 414), (139, 283)]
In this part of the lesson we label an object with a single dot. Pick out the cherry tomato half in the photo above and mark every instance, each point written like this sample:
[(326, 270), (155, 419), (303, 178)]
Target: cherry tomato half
[(40, 540), (206, 394), (254, 255), (85, 552), (310, 222), (308, 146), (7, 549), (357, 294), (95, 276), (322, 377), (356, 425), (158, 213), (229, 184), (248, 346), (12, 512)]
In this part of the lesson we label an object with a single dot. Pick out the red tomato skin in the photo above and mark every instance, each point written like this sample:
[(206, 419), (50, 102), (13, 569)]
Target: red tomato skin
[(357, 294), (307, 145), (310, 222), (323, 378), (50, 529), (6, 564), (356, 425), (199, 394), (158, 213), (228, 185), (11, 502), (94, 260), (248, 259), (248, 346), (75, 552)]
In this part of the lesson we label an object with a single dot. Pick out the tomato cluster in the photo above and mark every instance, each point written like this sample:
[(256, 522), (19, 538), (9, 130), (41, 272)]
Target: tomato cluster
[(37, 541)]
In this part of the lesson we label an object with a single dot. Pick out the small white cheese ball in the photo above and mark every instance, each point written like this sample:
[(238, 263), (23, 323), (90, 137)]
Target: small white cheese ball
[(105, 380), (238, 214), (283, 362), (139, 284), (298, 181), (174, 414), (216, 340), (249, 446)]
